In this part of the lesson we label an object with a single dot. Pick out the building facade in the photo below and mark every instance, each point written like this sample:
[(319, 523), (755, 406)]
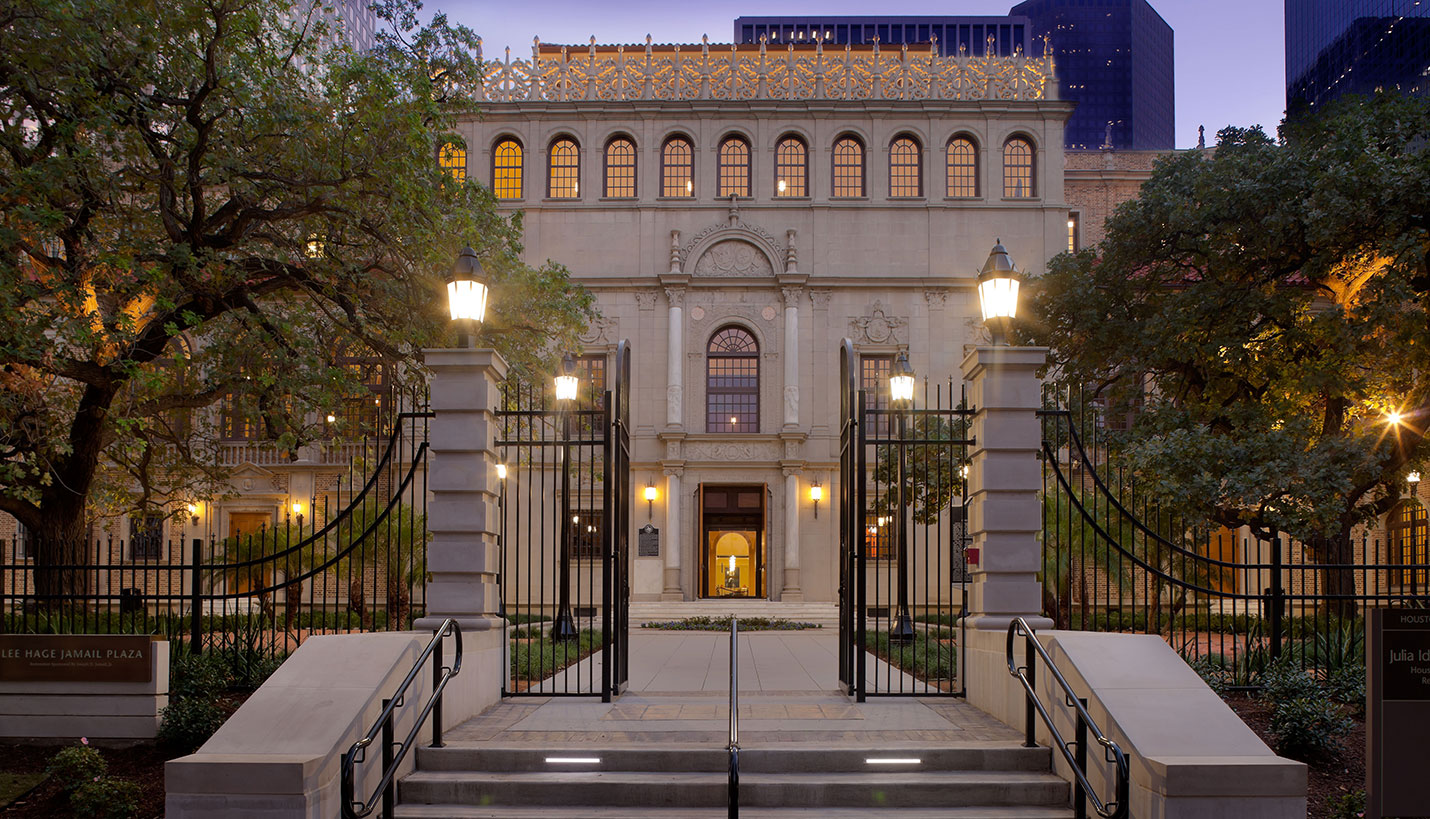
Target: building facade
[(738, 211), (1003, 36), (1336, 47)]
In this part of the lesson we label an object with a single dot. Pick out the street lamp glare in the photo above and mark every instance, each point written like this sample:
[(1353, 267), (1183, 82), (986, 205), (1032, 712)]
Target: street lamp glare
[(901, 379), (1394, 418), (467, 288), (998, 284), (566, 381)]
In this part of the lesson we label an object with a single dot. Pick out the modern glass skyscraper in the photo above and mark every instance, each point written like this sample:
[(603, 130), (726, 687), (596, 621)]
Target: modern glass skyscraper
[(1114, 58), (1336, 47)]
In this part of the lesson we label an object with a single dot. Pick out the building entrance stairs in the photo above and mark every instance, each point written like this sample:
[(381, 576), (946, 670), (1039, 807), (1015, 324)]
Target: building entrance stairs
[(805, 751)]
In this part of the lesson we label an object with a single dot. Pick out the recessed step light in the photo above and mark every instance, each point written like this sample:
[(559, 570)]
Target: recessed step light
[(573, 760), (894, 761)]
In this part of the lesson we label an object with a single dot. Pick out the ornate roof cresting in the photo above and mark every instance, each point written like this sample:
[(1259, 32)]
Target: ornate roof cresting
[(606, 73)]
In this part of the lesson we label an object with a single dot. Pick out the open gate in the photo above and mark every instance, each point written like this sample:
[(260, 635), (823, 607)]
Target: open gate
[(902, 571), (565, 521)]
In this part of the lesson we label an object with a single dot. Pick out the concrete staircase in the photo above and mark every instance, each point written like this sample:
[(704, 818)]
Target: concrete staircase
[(825, 615), (999, 780)]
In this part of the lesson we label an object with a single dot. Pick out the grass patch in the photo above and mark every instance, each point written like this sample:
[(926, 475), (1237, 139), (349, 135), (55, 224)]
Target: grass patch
[(706, 623), (535, 656), (930, 657), (15, 785)]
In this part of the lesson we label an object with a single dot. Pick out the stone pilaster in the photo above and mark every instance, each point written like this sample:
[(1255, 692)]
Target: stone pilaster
[(673, 545), (791, 356), (675, 357), (463, 553), (791, 590)]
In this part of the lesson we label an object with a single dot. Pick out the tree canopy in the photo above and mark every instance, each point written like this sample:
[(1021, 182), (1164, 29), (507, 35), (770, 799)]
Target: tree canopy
[(209, 197), (1263, 314)]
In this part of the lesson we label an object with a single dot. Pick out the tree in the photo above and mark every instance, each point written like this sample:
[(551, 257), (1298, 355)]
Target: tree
[(208, 201), (1266, 312)]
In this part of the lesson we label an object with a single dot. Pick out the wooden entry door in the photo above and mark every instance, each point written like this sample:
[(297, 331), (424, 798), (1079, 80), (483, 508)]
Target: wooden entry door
[(248, 523), (732, 541)]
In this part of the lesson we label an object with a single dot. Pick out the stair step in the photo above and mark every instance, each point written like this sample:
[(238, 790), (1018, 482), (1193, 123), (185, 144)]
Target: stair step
[(620, 812), (708, 789), (781, 758)]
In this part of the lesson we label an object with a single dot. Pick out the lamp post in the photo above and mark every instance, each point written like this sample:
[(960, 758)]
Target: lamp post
[(650, 494), (566, 384), (901, 395), (816, 494), (998, 292), (467, 295)]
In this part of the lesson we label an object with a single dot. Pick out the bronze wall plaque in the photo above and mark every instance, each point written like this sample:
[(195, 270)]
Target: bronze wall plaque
[(76, 658), (648, 541)]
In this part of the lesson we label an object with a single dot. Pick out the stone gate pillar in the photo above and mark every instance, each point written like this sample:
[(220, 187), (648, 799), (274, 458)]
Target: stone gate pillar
[(463, 553), (1004, 516)]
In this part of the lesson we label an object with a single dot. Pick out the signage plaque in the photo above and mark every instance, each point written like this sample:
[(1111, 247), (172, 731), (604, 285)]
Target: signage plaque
[(648, 541), (76, 658), (1397, 713)]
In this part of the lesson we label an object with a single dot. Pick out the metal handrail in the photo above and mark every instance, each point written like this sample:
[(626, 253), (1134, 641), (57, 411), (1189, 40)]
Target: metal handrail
[(1078, 760), (733, 785), (386, 789)]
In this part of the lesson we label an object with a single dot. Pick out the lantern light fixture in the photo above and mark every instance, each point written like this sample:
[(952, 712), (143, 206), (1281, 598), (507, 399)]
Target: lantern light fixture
[(816, 494), (901, 380), (998, 292), (566, 382), (194, 509), (467, 293), (1413, 478), (501, 472), (650, 495)]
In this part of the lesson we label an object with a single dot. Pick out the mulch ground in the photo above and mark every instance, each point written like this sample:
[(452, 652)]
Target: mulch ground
[(142, 763), (1328, 779)]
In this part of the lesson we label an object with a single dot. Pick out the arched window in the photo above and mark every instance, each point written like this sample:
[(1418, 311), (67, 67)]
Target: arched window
[(1018, 169), (791, 167), (563, 170), (734, 168), (452, 159), (962, 167), (1408, 536), (848, 167), (506, 169), (677, 168), (732, 382), (620, 168), (905, 167)]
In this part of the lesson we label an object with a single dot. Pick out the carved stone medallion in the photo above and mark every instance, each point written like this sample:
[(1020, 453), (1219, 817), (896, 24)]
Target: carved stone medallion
[(733, 258)]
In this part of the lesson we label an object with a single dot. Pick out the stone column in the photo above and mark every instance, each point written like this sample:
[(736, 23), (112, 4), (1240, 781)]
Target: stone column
[(791, 355), (463, 553), (1004, 517), (672, 590), (791, 590), (675, 357)]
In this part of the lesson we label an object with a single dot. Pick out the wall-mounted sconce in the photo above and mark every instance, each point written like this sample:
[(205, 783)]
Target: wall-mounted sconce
[(650, 495), (816, 494), (194, 510), (501, 472)]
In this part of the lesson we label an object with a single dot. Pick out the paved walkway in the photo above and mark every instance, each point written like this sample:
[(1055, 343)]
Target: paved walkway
[(789, 693)]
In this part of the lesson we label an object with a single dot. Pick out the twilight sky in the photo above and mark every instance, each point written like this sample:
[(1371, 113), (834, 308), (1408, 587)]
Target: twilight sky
[(1230, 66)]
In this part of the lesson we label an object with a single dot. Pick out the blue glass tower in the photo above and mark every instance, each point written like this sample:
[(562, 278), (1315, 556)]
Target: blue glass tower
[(970, 33), (1336, 47), (1114, 58)]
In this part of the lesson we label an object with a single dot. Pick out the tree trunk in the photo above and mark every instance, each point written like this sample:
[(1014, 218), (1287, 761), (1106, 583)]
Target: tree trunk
[(62, 557), (398, 606), (292, 600), (357, 601), (1338, 579)]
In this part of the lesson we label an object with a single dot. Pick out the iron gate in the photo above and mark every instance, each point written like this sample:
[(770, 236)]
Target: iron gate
[(902, 572), (565, 520)]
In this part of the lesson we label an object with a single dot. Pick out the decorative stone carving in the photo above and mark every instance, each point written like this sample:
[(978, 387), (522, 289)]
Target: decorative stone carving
[(877, 328), (791, 402), (790, 295), (936, 297), (645, 299), (768, 313), (721, 232), (697, 313), (675, 251), (733, 258), (672, 450), (709, 451), (791, 263), (672, 401), (600, 331), (820, 298), (792, 449), (676, 296)]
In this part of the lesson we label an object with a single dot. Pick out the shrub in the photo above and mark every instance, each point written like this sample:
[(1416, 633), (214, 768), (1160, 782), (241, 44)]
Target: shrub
[(1213, 672), (76, 765), (1283, 682), (199, 675), (106, 797), (1347, 685), (1307, 728), (1348, 806), (188, 722)]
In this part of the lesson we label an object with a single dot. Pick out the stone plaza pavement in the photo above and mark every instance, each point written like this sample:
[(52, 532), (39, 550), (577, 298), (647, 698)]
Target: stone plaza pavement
[(789, 693)]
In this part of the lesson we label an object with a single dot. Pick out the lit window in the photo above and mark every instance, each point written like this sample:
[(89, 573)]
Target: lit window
[(452, 159), (1072, 232), (962, 167), (1408, 535), (734, 167), (874, 373), (506, 170), (905, 168), (564, 170), (146, 537), (848, 167), (732, 382), (620, 169), (1018, 169), (677, 168), (791, 168)]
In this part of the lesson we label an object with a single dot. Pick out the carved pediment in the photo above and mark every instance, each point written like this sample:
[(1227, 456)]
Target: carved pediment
[(878, 328), (732, 248), (733, 258)]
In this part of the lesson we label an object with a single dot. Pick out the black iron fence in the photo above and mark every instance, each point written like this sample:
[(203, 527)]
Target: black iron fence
[(565, 520), (903, 572), (348, 557), (1228, 601)]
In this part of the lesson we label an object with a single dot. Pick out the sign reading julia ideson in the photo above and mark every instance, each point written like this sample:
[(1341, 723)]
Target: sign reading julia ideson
[(76, 658), (1397, 713)]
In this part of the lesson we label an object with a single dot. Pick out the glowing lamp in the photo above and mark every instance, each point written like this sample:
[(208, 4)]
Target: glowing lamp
[(998, 292), (501, 472), (467, 288), (649, 501), (566, 381), (901, 380), (194, 509), (816, 494), (1413, 477)]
